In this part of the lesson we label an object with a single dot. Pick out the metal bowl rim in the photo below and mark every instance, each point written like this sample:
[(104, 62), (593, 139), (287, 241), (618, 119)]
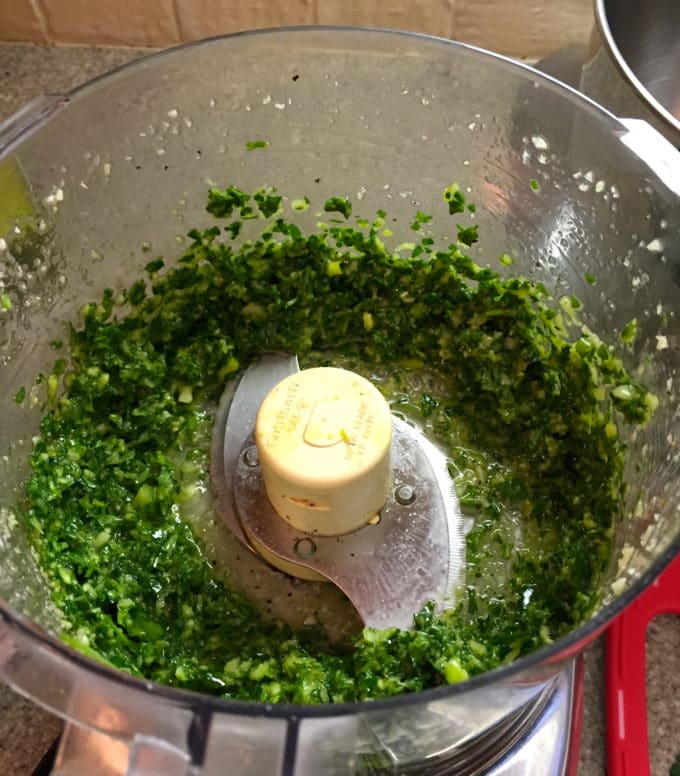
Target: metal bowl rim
[(626, 71)]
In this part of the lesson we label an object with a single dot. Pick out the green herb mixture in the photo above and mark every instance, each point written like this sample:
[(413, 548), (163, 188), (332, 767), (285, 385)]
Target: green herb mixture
[(529, 418)]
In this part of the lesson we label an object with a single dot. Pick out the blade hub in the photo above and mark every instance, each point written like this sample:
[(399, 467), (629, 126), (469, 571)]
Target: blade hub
[(409, 552)]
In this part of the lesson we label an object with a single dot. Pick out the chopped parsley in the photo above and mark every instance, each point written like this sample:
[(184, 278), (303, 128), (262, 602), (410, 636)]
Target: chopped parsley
[(420, 219), (529, 418), (467, 235), (455, 199), (268, 202), (154, 266), (223, 202), (300, 204), (338, 205), (629, 332)]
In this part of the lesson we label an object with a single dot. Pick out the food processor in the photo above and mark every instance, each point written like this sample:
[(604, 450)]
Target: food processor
[(120, 167)]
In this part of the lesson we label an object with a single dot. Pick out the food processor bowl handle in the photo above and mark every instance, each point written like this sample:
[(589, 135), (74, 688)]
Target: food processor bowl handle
[(87, 751), (110, 730), (653, 148)]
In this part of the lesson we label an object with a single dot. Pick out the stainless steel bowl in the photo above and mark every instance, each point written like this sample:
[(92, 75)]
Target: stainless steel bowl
[(635, 68)]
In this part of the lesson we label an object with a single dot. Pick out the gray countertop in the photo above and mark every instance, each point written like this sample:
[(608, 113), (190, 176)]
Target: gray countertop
[(26, 730)]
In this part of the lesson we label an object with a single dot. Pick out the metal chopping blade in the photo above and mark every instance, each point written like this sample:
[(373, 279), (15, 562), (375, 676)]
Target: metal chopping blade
[(236, 422), (416, 551)]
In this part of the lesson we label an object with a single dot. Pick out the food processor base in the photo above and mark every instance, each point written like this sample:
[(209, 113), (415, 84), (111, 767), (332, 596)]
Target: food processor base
[(549, 746)]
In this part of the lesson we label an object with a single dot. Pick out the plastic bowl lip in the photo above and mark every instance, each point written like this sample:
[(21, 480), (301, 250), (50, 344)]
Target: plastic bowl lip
[(564, 648), (624, 68), (333, 30)]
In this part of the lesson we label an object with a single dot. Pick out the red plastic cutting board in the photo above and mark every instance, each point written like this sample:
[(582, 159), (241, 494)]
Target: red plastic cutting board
[(626, 689)]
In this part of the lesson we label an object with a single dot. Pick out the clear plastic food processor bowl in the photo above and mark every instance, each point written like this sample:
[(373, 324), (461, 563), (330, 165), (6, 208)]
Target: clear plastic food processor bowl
[(388, 119)]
